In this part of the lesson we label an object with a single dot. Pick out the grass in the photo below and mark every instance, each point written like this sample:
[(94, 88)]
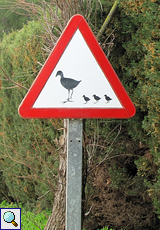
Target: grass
[(29, 220)]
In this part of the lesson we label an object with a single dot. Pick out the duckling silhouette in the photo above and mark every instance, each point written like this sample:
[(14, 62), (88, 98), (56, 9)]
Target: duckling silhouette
[(86, 98), (108, 99), (96, 98), (67, 83)]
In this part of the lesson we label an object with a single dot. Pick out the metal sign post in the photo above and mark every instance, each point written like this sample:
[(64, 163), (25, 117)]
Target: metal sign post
[(74, 174)]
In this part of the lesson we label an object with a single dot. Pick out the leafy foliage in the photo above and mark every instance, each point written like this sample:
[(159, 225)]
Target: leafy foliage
[(134, 164), (27, 146), (142, 52), (9, 19)]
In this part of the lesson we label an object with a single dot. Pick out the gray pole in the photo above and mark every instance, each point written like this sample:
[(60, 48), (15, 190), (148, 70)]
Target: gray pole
[(74, 174)]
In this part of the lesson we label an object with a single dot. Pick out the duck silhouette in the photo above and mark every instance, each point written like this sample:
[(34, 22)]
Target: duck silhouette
[(68, 83), (97, 98), (108, 99), (86, 98)]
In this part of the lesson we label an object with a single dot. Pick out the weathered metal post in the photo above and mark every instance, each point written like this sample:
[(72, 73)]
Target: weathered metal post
[(74, 174)]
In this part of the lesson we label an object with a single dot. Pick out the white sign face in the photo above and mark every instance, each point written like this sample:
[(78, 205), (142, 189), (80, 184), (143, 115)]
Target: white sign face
[(87, 86)]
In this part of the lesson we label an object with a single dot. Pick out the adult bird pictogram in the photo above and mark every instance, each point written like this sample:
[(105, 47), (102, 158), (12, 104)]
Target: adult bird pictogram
[(86, 99), (68, 83), (108, 99), (97, 98)]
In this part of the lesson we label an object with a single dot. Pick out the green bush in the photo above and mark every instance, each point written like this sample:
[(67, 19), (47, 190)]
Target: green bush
[(27, 155), (134, 162)]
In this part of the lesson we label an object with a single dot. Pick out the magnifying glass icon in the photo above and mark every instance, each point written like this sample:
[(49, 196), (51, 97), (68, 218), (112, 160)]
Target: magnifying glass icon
[(9, 217)]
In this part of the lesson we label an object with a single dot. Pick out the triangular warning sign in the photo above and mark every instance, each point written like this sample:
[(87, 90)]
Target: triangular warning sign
[(77, 81)]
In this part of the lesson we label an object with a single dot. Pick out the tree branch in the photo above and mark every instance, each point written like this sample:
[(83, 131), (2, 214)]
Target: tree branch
[(106, 22), (43, 195), (12, 80)]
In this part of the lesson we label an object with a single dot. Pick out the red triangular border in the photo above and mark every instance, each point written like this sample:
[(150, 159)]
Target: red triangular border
[(25, 108)]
